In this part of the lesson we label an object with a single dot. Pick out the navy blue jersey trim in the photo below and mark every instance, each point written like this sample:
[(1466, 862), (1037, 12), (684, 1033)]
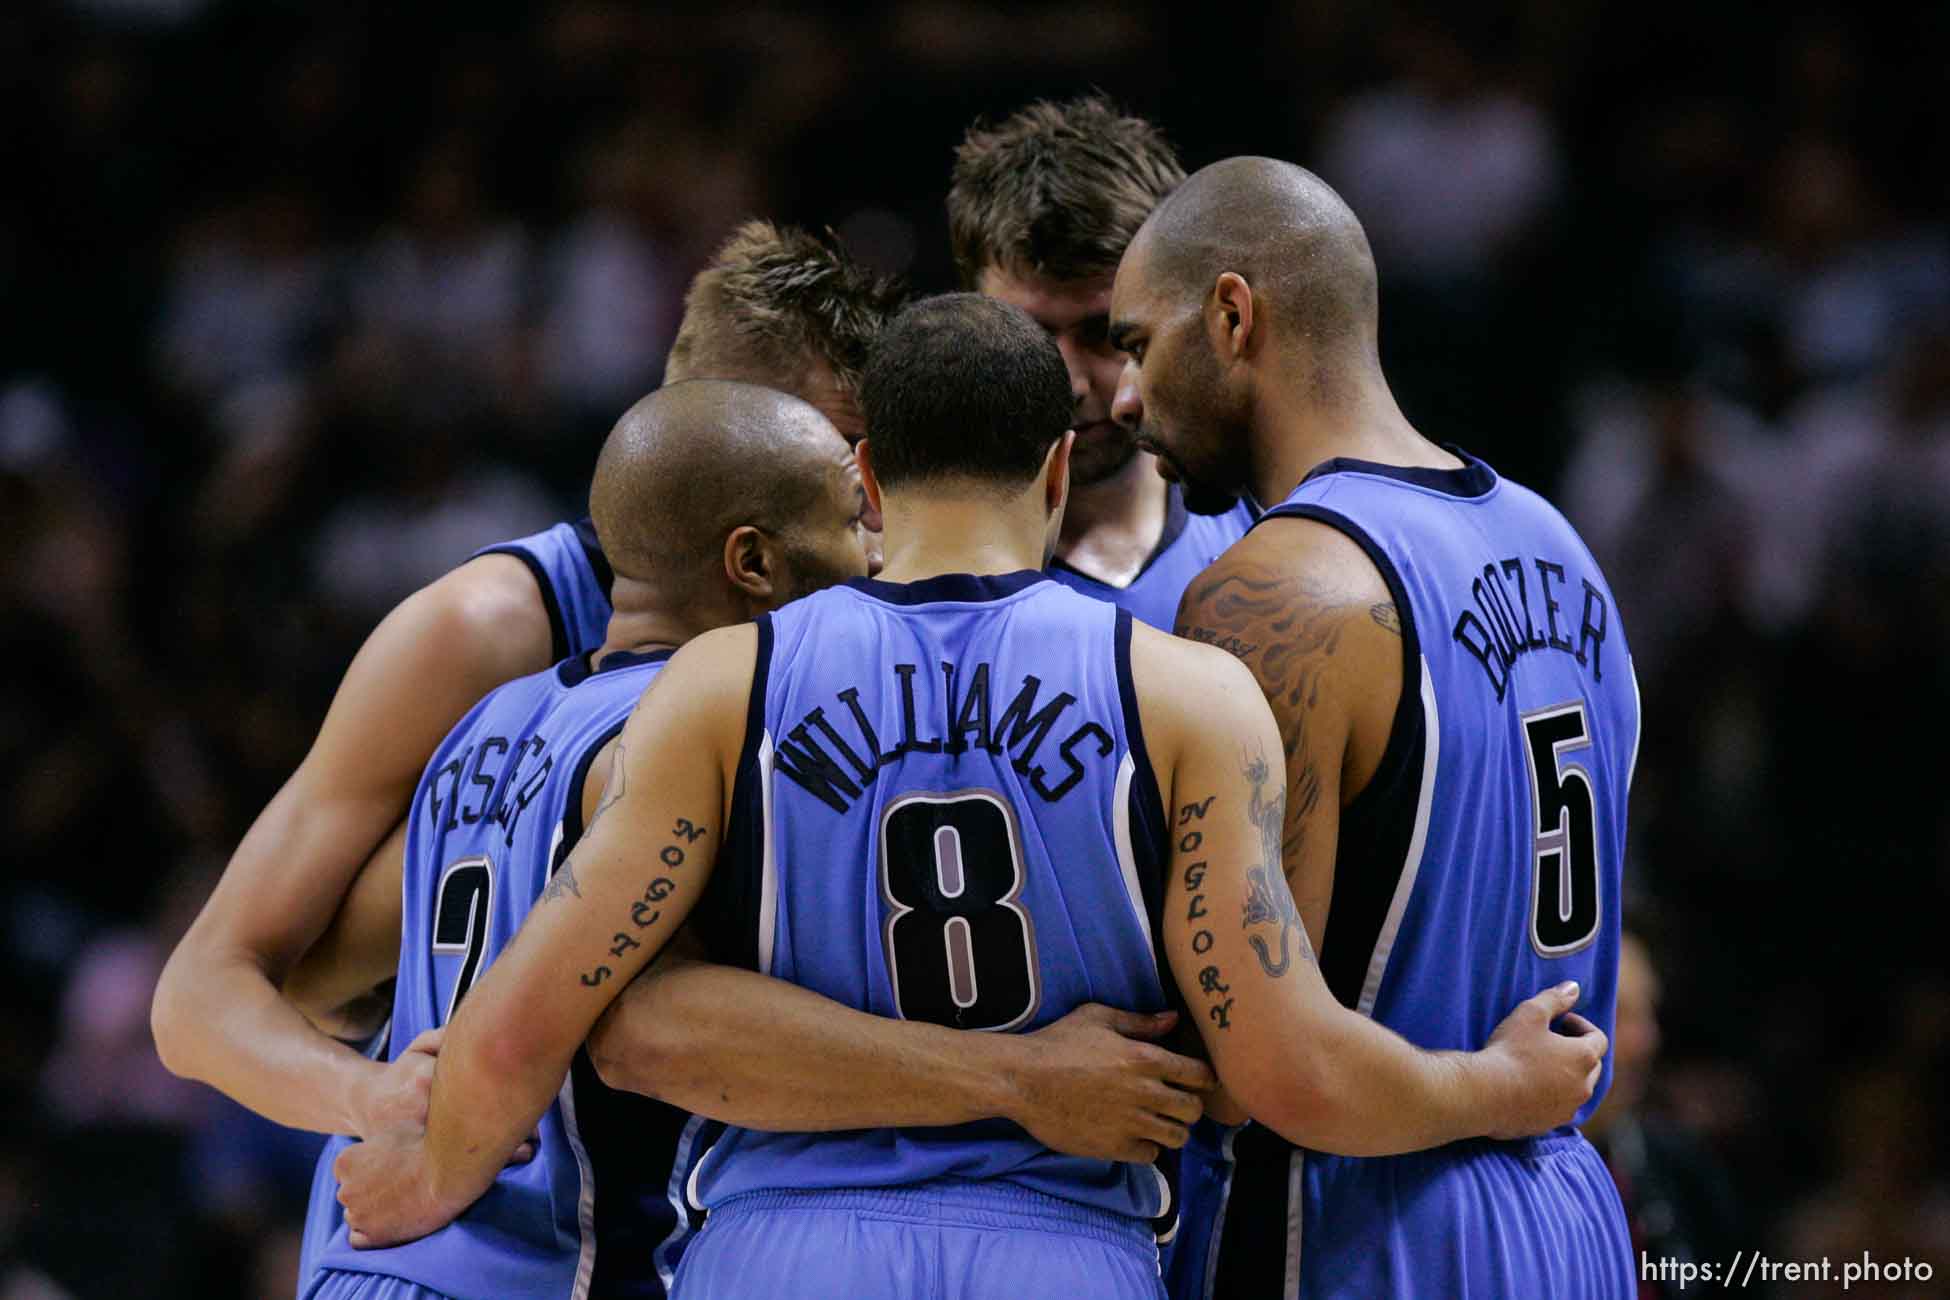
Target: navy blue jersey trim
[(1379, 821), (558, 630), (1151, 831), (592, 551), (1474, 479), (572, 827), (577, 670), (959, 588), (1176, 517), (726, 917)]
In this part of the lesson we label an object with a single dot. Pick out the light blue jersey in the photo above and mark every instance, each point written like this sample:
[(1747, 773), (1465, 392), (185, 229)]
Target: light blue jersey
[(1188, 543), (573, 575), (1481, 865), (951, 818), (499, 807)]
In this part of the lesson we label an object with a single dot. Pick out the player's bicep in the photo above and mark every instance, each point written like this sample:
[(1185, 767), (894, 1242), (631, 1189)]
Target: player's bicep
[(1226, 925), (639, 868), (419, 672)]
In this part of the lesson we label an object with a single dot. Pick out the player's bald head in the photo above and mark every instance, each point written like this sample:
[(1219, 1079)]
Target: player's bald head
[(693, 461), (1280, 228)]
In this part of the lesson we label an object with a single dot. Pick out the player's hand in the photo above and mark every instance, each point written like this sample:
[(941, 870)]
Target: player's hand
[(386, 1187), (397, 1096), (1552, 1073), (1091, 1086)]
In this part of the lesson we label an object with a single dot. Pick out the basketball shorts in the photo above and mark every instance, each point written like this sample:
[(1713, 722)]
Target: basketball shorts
[(336, 1284), (1478, 1220), (942, 1240)]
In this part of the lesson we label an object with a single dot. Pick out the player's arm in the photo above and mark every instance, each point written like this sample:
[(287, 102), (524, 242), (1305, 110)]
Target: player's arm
[(218, 1015), (1302, 606), (611, 906), (341, 983), (1299, 1062), (1086, 1085)]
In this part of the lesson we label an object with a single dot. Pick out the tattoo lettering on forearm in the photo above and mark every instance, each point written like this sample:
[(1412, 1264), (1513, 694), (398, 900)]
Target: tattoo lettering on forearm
[(1210, 981), (643, 911)]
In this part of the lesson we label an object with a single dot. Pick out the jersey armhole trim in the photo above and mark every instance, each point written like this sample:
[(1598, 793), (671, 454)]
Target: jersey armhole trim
[(1145, 806), (558, 630), (592, 552), (572, 826)]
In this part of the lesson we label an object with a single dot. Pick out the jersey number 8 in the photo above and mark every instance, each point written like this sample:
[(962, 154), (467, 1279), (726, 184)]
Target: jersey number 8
[(961, 951)]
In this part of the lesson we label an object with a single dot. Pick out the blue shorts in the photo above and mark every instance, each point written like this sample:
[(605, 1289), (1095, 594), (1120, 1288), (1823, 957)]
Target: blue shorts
[(1477, 1220), (335, 1284), (1204, 1188), (943, 1240)]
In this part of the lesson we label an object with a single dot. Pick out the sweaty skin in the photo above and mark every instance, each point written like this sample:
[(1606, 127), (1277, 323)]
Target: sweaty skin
[(1293, 1056)]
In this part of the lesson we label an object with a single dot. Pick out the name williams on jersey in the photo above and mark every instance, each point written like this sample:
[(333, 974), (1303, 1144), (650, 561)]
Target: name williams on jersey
[(834, 763)]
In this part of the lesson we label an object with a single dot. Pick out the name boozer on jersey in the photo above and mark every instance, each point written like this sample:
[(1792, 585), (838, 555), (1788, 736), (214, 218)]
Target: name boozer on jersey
[(951, 819), (1480, 865), (1188, 544), (574, 576), (499, 807)]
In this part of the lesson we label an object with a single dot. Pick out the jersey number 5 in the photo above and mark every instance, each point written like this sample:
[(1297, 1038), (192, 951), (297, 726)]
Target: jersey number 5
[(461, 907), (961, 951), (1564, 905)]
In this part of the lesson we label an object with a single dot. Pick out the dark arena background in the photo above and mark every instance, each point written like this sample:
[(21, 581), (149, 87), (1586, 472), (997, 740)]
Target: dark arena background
[(303, 302)]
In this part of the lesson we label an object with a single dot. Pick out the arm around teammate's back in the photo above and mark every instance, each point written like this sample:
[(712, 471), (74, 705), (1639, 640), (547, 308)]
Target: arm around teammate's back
[(1284, 1048)]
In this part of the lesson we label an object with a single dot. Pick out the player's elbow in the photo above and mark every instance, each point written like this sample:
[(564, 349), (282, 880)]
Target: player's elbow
[(172, 1020), (1311, 1104), (635, 1053)]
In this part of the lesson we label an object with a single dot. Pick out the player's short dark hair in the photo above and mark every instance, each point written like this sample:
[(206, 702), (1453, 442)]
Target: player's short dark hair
[(1056, 190), (773, 300), (963, 388)]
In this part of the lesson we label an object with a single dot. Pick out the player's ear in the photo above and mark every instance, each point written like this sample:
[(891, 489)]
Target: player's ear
[(1231, 318), (1056, 472), (870, 482), (751, 561)]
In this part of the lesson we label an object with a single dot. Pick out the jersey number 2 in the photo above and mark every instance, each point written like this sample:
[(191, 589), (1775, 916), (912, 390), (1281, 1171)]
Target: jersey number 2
[(961, 951), (461, 907), (1564, 904)]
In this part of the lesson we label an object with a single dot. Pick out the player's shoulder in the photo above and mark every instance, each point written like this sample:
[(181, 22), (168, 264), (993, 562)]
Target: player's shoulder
[(485, 596), (714, 667), (1287, 564), (1187, 680)]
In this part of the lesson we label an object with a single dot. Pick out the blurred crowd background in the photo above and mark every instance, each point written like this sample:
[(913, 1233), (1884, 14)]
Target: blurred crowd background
[(303, 302)]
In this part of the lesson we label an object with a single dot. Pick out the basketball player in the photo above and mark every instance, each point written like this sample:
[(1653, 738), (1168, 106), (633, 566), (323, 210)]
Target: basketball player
[(1459, 719), (776, 307), (941, 796), (713, 501), (1040, 208)]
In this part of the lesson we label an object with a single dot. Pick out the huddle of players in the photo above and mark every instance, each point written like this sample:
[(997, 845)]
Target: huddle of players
[(931, 744)]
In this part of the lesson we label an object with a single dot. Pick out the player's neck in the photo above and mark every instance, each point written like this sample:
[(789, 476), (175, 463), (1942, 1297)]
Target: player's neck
[(1295, 432), (929, 535), (1111, 527), (644, 618)]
